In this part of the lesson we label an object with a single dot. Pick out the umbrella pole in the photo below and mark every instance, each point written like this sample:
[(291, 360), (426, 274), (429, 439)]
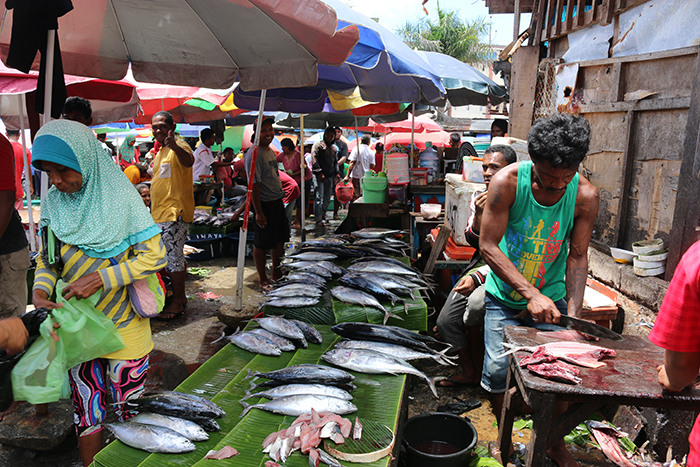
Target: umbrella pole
[(303, 178), (50, 40), (240, 268), (413, 127), (27, 171), (384, 157)]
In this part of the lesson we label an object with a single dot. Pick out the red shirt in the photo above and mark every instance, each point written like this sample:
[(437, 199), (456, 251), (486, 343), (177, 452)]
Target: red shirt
[(677, 326), (294, 164), (19, 167), (290, 188), (7, 166)]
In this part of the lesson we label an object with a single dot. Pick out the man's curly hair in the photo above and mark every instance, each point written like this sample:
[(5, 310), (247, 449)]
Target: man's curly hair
[(561, 140)]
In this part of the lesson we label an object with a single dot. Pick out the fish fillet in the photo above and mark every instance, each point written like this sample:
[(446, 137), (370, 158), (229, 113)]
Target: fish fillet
[(578, 353)]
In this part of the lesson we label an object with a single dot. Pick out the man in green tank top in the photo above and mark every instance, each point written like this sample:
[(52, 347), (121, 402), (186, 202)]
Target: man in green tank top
[(537, 223)]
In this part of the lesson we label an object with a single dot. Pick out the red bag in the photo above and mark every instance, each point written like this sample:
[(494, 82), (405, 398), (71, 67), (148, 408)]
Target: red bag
[(344, 192)]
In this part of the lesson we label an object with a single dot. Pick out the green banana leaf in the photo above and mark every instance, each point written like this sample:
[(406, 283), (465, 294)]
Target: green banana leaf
[(223, 379)]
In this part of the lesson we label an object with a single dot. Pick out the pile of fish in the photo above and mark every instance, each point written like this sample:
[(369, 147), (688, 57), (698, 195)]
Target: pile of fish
[(549, 360), (274, 336), (306, 433), (167, 422), (298, 389), (380, 349)]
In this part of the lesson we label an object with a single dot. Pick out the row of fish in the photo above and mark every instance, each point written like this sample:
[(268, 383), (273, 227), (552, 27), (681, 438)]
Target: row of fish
[(306, 433), (167, 422), (274, 336)]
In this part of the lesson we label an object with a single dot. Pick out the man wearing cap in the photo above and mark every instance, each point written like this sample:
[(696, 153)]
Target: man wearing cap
[(271, 226)]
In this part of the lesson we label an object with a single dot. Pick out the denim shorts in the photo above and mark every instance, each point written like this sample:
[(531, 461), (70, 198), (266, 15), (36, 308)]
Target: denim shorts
[(498, 315)]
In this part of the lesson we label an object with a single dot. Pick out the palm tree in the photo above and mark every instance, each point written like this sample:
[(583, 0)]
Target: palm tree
[(448, 34)]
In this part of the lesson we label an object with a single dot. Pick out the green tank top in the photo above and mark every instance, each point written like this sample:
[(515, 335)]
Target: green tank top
[(536, 241)]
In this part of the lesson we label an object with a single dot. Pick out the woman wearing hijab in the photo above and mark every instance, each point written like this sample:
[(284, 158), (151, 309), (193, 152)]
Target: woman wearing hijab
[(105, 240), (128, 151)]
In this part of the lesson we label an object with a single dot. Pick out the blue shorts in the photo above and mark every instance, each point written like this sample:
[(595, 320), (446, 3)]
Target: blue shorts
[(498, 315)]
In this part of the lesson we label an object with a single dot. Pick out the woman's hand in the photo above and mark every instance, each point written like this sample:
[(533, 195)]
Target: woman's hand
[(83, 287), (40, 299)]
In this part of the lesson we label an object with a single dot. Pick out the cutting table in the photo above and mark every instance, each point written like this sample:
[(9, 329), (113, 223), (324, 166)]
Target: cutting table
[(630, 378)]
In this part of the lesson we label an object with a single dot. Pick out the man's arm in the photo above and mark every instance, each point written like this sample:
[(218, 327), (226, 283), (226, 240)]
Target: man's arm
[(501, 197), (679, 369), (260, 218), (185, 158), (351, 165), (577, 261)]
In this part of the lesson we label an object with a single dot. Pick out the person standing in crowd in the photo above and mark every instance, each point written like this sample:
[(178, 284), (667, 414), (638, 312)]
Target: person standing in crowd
[(225, 175), (455, 140), (145, 193), (291, 159), (342, 159), (90, 192), (499, 127), (108, 146), (379, 157), (536, 228), (361, 161), (325, 167), (271, 226), (461, 319), (78, 110), (291, 195), (676, 330), (14, 248), (204, 160), (13, 136), (172, 204), (128, 151)]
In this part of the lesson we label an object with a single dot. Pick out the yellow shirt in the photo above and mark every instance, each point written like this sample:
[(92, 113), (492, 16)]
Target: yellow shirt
[(137, 262), (172, 192)]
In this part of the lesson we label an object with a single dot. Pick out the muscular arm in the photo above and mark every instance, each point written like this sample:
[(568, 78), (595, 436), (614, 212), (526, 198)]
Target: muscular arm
[(577, 261), (679, 369)]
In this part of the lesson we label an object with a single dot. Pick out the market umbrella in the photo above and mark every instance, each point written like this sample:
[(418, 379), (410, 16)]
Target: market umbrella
[(209, 43), (422, 123), (437, 138), (465, 84)]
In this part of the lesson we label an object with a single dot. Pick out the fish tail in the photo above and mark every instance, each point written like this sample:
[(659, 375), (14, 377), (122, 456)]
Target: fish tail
[(223, 334), (405, 306), (250, 375), (246, 408), (410, 292), (431, 383), (389, 314)]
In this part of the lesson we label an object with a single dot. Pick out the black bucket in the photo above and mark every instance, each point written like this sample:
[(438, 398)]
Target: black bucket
[(438, 439)]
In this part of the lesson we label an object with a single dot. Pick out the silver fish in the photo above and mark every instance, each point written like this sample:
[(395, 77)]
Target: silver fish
[(311, 334), (254, 343), (325, 241), (306, 276), (150, 438), (306, 374), (358, 297), (296, 389), (285, 345), (281, 327), (218, 411), (381, 267), (186, 428), (316, 269), (295, 290), (407, 281), (303, 403), (367, 361), (375, 232), (332, 267), (291, 302), (389, 284), (398, 351), (313, 256)]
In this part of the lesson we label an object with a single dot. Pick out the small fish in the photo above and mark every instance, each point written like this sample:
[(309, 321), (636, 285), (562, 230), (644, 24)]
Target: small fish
[(367, 361), (296, 389), (285, 345), (186, 428), (150, 438), (358, 297), (303, 403), (311, 334), (254, 343), (281, 327), (313, 256), (291, 302)]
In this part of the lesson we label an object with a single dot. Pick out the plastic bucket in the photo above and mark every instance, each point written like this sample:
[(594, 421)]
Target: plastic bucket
[(373, 189), (438, 440)]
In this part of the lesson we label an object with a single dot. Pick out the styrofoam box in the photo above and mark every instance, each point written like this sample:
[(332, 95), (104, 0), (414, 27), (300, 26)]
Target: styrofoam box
[(458, 194), (518, 145)]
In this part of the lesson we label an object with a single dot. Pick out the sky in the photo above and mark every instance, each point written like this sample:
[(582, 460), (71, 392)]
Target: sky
[(393, 13)]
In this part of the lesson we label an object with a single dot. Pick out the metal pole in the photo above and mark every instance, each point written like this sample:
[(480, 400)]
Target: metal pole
[(27, 171), (50, 40), (413, 124), (516, 20), (238, 305), (303, 177)]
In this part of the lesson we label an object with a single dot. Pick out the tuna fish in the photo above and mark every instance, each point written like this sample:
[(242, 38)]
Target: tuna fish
[(404, 353), (281, 327), (186, 428), (359, 282), (303, 403), (367, 361), (314, 279), (295, 290), (376, 232), (358, 297), (311, 334), (332, 268), (296, 389), (150, 438), (254, 343), (202, 400), (175, 404), (575, 352), (285, 345), (313, 256), (390, 284), (381, 267), (379, 333), (307, 374), (314, 268), (290, 302)]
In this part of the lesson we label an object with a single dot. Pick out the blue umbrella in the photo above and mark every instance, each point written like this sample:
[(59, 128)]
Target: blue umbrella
[(465, 84)]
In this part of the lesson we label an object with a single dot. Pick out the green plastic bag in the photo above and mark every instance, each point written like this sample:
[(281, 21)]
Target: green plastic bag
[(41, 375)]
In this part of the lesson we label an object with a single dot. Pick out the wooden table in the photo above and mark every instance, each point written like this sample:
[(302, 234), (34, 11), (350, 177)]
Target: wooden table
[(204, 191), (628, 379), (366, 211)]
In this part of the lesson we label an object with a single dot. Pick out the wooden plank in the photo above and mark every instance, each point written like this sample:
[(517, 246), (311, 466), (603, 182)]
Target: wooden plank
[(687, 209), (438, 248), (540, 24), (641, 57), (639, 106), (626, 182), (569, 15), (617, 89), (557, 17), (608, 12), (548, 20), (580, 6), (524, 80)]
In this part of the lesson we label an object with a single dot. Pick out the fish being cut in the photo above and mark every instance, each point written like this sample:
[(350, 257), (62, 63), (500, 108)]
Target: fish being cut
[(538, 356), (556, 371), (606, 437), (577, 353), (568, 335), (303, 403)]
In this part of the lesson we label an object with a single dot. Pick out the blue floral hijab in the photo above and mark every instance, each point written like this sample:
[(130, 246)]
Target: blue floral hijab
[(106, 216)]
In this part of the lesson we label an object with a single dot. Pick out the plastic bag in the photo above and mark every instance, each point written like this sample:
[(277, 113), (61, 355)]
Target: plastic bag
[(41, 375)]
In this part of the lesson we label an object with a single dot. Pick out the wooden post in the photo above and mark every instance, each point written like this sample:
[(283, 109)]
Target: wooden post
[(626, 182), (524, 80), (438, 248)]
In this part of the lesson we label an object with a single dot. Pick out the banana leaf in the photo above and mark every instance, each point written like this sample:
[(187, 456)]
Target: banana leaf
[(378, 398)]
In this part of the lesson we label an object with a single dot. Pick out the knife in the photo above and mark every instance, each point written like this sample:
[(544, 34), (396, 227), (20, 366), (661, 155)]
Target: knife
[(589, 328)]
